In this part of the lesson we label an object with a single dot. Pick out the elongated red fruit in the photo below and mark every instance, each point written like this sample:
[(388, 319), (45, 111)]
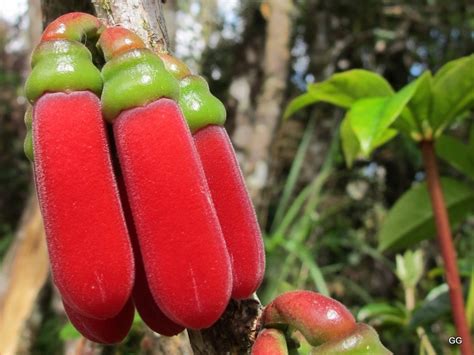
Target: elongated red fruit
[(146, 306), (149, 311), (182, 246), (105, 331), (270, 342), (90, 252), (206, 115), (181, 243), (234, 209)]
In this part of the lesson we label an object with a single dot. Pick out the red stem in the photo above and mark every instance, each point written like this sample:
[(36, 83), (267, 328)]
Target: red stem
[(445, 241)]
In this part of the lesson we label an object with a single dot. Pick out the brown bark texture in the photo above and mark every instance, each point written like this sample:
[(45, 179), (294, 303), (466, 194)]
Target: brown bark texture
[(144, 17)]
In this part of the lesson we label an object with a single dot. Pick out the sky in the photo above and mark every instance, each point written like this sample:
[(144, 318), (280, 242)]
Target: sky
[(189, 30), (11, 9)]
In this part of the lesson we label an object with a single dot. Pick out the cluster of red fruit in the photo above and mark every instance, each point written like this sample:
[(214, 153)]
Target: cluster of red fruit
[(143, 200), (140, 190)]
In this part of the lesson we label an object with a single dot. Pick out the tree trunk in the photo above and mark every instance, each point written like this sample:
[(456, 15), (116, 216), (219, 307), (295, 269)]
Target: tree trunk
[(24, 272), (256, 163), (144, 17)]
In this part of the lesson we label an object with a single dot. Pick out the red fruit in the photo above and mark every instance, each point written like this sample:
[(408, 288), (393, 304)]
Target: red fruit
[(234, 209), (146, 306), (149, 311), (105, 331), (270, 342), (91, 256), (183, 250), (317, 317)]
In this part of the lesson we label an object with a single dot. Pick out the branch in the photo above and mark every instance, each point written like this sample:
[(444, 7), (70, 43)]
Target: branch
[(144, 17)]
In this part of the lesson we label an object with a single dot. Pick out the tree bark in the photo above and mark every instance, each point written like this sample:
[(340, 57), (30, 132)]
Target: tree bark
[(52, 9), (256, 163), (144, 17), (24, 272)]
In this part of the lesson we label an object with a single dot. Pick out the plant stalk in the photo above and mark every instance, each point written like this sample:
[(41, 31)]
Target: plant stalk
[(445, 241)]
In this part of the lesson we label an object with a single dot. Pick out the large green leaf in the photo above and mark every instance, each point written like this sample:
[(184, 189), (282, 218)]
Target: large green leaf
[(299, 103), (411, 218), (370, 118), (342, 89), (453, 91), (387, 135), (420, 103), (454, 152), (350, 143)]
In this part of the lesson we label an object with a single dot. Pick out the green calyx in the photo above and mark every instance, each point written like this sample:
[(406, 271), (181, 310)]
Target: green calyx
[(175, 66), (28, 143), (135, 78), (363, 341), (62, 66), (199, 106)]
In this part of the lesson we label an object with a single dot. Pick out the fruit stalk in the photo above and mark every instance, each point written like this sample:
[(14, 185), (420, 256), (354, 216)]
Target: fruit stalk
[(445, 241)]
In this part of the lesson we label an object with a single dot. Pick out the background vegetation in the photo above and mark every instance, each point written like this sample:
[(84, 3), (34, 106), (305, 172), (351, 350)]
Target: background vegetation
[(320, 219)]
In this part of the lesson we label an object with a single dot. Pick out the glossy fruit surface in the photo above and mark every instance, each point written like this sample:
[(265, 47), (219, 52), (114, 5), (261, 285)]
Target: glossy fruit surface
[(317, 317)]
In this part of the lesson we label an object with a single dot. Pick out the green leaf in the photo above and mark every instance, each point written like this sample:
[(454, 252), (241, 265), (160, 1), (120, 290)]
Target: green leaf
[(470, 302), (420, 103), (435, 306), (382, 314), (299, 103), (411, 218), (387, 135), (349, 141), (453, 91), (294, 175), (370, 118), (68, 332), (407, 124), (454, 152), (342, 89)]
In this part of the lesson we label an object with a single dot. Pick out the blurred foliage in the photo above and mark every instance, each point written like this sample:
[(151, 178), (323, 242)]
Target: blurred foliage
[(323, 220), (14, 168)]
